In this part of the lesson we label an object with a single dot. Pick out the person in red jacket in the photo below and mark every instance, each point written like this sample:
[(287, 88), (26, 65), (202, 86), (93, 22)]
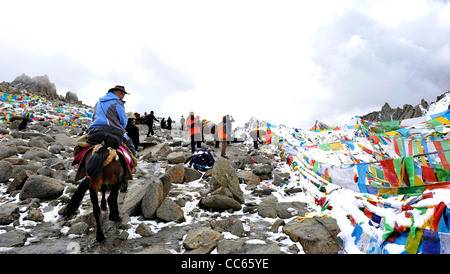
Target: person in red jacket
[(192, 125), (222, 134)]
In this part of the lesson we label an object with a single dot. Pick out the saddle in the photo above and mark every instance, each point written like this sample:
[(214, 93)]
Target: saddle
[(83, 147)]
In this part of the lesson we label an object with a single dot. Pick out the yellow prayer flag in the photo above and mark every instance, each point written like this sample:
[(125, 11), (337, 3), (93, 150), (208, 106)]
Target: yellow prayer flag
[(393, 133), (442, 120), (336, 146)]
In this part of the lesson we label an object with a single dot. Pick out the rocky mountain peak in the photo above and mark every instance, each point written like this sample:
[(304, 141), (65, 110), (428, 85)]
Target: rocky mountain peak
[(387, 113)]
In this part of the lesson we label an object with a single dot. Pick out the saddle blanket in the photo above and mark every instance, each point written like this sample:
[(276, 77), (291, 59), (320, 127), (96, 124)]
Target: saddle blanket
[(77, 158)]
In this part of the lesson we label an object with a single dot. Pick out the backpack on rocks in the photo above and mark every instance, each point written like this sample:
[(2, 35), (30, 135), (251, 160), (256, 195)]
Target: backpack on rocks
[(202, 159)]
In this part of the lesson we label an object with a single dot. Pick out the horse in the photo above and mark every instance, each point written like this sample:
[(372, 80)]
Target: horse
[(97, 176)]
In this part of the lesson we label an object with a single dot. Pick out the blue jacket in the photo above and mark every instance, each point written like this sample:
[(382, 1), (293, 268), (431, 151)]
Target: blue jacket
[(110, 111)]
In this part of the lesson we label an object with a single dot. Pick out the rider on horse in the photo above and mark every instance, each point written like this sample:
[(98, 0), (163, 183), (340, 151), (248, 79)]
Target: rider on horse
[(110, 119)]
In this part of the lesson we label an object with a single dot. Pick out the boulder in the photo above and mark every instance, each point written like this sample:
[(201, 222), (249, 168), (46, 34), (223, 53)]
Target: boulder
[(224, 175), (8, 151), (267, 207), (19, 180), (313, 236), (144, 230), (154, 151), (271, 208), (176, 157), (37, 153), (79, 229), (34, 214), (154, 250), (201, 237), (9, 213), (170, 211), (191, 174), (220, 203), (232, 225), (6, 171), (251, 179), (42, 187), (290, 209), (176, 174), (153, 198), (263, 171), (13, 238)]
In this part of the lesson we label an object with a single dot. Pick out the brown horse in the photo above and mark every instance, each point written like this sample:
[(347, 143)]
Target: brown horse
[(97, 175)]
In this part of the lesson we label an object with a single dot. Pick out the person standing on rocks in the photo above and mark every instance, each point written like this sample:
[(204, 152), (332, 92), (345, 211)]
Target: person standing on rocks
[(132, 130), (182, 121), (192, 126), (169, 123), (149, 121), (222, 134), (110, 117), (229, 122)]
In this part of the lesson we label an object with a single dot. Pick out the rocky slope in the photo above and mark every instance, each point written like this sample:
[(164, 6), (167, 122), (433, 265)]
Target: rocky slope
[(237, 207)]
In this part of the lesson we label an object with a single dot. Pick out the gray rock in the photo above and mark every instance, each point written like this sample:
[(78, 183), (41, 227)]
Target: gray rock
[(220, 203), (201, 237), (191, 174), (13, 238), (65, 139), (36, 153), (34, 214), (8, 151), (79, 228), (232, 225), (156, 249), (175, 157), (176, 174), (144, 230), (231, 246), (170, 211), (42, 187), (36, 142), (152, 199), (265, 169), (133, 200), (9, 213), (154, 151), (6, 171), (291, 209), (224, 175), (313, 236), (267, 207), (251, 179)]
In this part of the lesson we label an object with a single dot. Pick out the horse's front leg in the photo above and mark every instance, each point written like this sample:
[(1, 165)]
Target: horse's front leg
[(93, 190), (103, 203)]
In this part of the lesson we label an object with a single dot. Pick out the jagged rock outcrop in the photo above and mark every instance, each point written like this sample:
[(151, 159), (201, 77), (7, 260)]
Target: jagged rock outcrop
[(39, 85), (387, 113)]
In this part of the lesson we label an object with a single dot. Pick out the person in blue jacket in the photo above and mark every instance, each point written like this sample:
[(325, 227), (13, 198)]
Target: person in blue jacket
[(110, 119)]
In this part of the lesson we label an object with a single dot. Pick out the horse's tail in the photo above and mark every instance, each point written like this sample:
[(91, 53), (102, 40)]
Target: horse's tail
[(75, 201), (95, 164)]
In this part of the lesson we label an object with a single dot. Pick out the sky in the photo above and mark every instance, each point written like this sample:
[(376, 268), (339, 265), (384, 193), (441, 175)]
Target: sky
[(284, 62)]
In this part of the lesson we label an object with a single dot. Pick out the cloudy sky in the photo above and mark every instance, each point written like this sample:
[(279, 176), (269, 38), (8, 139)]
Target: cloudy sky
[(285, 62)]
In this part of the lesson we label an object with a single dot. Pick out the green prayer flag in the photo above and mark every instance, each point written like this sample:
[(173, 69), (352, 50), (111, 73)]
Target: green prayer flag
[(326, 147), (410, 170)]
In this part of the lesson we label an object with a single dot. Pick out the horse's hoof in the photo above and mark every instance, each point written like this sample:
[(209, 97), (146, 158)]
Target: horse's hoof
[(114, 217), (100, 239)]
